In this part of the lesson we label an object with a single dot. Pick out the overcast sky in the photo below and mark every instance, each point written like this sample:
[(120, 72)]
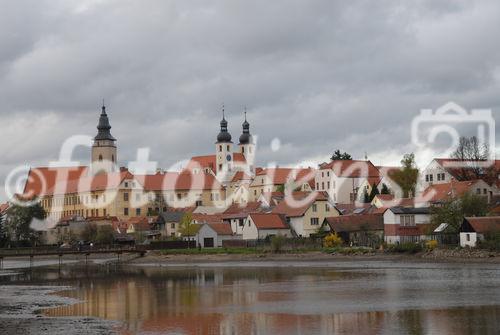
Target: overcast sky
[(317, 75)]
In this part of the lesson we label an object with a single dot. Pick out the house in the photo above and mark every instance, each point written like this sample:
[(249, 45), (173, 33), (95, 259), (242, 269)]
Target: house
[(211, 235), (68, 228), (271, 199), (169, 222), (406, 224), (443, 192), (345, 181), (305, 212), (359, 230), (236, 214), (264, 225), (442, 170), (474, 229), (278, 179), (389, 200)]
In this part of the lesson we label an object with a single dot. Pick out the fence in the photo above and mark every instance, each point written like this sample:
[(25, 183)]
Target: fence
[(286, 243), (157, 245)]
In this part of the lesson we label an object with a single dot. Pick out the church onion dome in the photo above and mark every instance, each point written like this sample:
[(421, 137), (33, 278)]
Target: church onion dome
[(103, 128), (245, 137), (224, 135)]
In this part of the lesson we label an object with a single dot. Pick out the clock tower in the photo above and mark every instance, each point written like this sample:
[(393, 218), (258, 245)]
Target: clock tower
[(223, 151), (104, 147)]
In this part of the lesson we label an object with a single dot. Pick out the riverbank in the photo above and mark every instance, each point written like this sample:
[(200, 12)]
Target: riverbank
[(438, 255), (19, 313)]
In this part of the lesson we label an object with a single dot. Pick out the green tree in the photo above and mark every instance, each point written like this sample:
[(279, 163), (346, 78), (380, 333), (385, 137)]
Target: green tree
[(373, 192), (18, 219), (89, 233), (471, 150), (385, 189), (453, 211), (337, 155), (187, 227), (105, 234), (407, 176)]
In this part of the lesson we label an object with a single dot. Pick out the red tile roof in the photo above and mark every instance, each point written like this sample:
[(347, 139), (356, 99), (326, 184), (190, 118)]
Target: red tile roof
[(41, 179), (206, 218), (351, 168), (449, 190), (351, 223), (288, 208), (140, 223), (100, 182), (221, 228), (209, 161), (185, 180), (280, 176), (240, 175), (484, 224), (238, 211), (269, 221)]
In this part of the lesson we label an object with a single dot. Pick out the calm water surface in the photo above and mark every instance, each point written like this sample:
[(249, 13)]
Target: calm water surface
[(285, 298)]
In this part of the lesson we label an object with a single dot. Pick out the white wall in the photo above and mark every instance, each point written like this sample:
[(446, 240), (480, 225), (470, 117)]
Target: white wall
[(473, 239)]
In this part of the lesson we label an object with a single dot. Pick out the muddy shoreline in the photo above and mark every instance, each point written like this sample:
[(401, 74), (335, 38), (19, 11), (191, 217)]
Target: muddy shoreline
[(20, 307), (436, 256)]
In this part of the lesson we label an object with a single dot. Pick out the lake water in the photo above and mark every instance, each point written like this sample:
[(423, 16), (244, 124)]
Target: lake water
[(284, 298)]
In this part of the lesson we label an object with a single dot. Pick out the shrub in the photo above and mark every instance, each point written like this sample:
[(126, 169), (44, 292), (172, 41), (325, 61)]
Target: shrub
[(332, 241), (491, 242), (431, 245), (277, 243), (411, 248)]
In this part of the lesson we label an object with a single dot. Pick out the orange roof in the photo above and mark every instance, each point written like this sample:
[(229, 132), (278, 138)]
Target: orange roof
[(140, 223), (207, 218), (100, 182), (238, 211), (209, 161), (290, 210), (280, 176), (352, 223), (351, 168), (484, 224), (42, 179), (221, 228), (4, 207), (240, 175), (448, 190), (185, 180), (269, 221)]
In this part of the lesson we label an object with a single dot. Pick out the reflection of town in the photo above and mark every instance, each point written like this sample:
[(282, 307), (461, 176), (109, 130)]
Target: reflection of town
[(249, 301)]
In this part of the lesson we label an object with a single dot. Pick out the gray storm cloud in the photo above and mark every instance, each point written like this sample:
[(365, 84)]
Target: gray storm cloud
[(318, 75)]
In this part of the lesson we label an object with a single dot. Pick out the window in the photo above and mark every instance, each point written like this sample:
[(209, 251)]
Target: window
[(314, 208), (104, 212), (484, 191), (317, 186), (199, 203), (328, 185), (125, 196), (426, 177), (478, 191), (242, 150), (125, 211), (172, 225), (322, 174), (314, 221), (100, 158), (228, 148), (431, 177), (407, 220), (137, 211), (439, 176), (328, 173), (467, 237), (220, 148), (126, 184), (327, 207), (241, 222), (322, 185), (113, 158)]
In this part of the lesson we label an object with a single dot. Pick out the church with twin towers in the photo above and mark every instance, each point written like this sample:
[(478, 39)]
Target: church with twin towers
[(226, 161)]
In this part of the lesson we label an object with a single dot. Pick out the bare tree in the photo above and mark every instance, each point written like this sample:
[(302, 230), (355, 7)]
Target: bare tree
[(471, 151)]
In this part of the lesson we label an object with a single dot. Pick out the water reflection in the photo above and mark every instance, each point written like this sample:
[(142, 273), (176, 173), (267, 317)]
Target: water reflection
[(272, 300)]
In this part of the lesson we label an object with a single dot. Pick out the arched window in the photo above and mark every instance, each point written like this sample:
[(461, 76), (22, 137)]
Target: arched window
[(100, 158)]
